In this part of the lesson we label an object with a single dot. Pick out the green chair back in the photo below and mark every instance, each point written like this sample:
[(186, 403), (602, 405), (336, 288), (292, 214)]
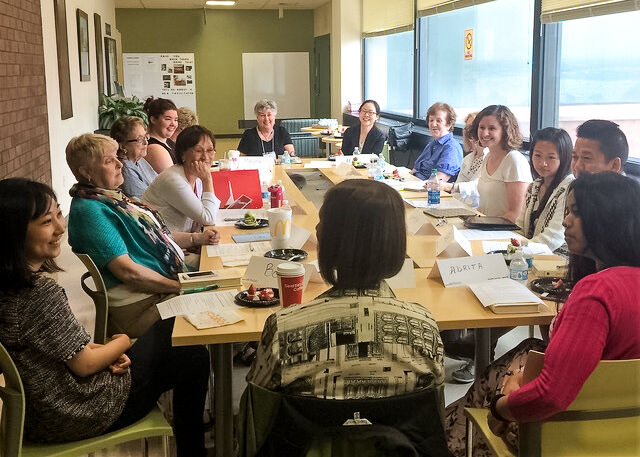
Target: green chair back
[(99, 297), (602, 421), (12, 419), (12, 424)]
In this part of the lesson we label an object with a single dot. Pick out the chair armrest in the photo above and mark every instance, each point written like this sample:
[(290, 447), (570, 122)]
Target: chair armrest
[(90, 292), (478, 417)]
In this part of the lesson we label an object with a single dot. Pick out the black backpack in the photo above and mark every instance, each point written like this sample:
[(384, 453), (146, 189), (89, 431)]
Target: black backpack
[(399, 136)]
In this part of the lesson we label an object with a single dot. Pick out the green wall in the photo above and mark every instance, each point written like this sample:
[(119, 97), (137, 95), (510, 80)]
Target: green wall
[(218, 46)]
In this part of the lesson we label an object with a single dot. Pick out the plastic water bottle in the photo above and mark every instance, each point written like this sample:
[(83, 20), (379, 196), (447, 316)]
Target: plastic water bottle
[(518, 268), (266, 195), (385, 151), (382, 162), (433, 190), (286, 158)]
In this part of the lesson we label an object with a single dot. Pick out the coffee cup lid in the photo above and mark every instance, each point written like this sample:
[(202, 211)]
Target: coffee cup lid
[(289, 269)]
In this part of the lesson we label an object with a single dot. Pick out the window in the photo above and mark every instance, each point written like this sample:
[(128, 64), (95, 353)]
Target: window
[(388, 72), (500, 69), (600, 74)]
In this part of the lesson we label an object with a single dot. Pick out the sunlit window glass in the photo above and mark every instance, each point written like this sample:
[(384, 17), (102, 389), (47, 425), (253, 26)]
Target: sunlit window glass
[(600, 74), (389, 72), (497, 72)]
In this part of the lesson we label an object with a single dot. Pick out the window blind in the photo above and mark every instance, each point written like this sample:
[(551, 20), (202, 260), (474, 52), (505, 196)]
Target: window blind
[(382, 17), (563, 10), (429, 7)]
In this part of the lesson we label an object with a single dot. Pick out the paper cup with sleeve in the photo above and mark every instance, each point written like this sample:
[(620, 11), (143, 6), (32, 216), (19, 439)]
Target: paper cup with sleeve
[(290, 283), (280, 227)]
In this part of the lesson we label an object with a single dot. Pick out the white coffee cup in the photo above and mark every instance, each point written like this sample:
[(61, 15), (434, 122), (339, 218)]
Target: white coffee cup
[(280, 227)]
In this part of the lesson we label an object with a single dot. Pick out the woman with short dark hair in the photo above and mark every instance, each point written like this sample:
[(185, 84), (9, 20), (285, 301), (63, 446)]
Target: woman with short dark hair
[(76, 389), (365, 136), (183, 194), (319, 348)]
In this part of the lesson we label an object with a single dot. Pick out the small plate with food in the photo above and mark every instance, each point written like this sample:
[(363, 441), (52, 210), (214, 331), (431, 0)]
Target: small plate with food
[(250, 222), (258, 297), (550, 288), (290, 255)]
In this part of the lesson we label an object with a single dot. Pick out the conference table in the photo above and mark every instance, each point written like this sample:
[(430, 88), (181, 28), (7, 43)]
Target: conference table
[(452, 307)]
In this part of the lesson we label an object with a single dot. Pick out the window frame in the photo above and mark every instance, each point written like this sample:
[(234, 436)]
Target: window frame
[(545, 79)]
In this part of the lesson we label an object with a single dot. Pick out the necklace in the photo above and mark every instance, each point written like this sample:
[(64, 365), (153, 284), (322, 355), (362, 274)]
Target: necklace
[(273, 138)]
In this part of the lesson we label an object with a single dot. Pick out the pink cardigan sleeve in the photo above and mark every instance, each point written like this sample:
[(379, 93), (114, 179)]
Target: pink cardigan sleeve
[(575, 349)]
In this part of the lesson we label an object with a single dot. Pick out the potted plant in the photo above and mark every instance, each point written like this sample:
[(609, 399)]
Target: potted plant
[(114, 107)]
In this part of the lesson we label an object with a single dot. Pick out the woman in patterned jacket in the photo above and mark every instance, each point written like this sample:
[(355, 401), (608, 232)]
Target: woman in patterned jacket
[(542, 214)]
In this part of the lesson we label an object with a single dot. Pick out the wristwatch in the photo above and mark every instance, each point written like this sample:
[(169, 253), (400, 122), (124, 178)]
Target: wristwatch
[(493, 409)]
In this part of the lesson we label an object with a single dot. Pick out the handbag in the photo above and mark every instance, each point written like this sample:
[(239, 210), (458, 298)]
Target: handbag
[(399, 136)]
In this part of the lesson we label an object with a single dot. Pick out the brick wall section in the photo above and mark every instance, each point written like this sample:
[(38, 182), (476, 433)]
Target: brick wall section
[(24, 131)]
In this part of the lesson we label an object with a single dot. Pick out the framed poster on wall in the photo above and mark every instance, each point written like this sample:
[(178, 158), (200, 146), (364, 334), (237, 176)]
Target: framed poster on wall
[(166, 75), (111, 65), (82, 22)]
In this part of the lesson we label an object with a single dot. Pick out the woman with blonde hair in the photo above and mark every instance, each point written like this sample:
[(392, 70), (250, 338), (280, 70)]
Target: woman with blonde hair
[(186, 118), (137, 255)]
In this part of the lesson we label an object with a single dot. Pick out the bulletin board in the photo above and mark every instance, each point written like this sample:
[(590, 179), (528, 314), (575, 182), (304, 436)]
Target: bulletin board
[(166, 75), (279, 76)]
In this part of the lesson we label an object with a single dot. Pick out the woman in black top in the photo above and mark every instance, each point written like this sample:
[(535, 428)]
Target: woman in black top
[(368, 138), (163, 121), (266, 137)]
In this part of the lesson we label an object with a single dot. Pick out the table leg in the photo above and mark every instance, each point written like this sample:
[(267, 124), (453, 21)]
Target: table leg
[(222, 355), (482, 337)]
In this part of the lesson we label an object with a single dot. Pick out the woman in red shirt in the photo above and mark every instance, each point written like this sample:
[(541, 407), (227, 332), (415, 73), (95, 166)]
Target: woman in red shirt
[(599, 320)]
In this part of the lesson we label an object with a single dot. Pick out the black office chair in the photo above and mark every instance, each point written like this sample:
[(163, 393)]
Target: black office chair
[(277, 424)]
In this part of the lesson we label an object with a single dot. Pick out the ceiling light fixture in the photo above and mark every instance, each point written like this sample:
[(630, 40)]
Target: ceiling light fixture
[(220, 2)]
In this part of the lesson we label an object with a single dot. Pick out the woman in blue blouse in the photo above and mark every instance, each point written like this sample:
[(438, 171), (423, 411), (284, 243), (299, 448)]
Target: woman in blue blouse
[(443, 152)]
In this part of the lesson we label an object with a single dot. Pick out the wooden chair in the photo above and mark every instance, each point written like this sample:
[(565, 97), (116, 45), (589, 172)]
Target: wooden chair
[(12, 425), (99, 297), (603, 420)]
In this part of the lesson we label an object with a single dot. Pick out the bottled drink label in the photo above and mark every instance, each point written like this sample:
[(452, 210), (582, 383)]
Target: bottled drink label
[(433, 197), (519, 275)]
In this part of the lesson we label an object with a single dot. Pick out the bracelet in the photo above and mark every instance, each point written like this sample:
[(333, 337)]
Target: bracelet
[(493, 410)]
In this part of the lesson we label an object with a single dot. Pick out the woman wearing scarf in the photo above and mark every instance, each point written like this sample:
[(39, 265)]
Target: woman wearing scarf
[(138, 257)]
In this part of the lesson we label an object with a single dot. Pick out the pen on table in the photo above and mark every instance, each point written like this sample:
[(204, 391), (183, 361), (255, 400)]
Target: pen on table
[(199, 289)]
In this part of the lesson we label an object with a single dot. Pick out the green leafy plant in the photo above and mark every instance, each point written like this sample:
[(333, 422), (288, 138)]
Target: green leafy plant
[(114, 107)]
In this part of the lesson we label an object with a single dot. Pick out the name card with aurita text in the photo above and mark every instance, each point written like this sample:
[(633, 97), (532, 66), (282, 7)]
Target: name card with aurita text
[(461, 271)]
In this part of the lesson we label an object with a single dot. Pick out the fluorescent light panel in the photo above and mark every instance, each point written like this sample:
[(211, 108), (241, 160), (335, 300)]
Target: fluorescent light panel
[(220, 2)]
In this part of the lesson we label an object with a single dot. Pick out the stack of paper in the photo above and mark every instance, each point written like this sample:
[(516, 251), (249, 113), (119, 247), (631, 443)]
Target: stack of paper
[(529, 249), (504, 295), (234, 254), (203, 310)]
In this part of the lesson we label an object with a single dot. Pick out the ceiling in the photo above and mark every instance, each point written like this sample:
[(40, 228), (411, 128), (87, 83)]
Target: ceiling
[(240, 4)]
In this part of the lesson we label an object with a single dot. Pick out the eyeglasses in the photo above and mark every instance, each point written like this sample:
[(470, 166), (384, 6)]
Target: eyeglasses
[(140, 140), (369, 112)]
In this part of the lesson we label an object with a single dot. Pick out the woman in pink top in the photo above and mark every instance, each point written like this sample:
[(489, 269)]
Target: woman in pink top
[(599, 320)]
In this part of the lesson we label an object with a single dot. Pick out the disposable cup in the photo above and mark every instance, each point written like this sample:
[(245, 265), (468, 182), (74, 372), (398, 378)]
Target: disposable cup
[(280, 227), (290, 283)]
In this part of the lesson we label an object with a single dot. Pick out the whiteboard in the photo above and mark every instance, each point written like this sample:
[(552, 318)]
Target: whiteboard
[(279, 76), (166, 75)]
